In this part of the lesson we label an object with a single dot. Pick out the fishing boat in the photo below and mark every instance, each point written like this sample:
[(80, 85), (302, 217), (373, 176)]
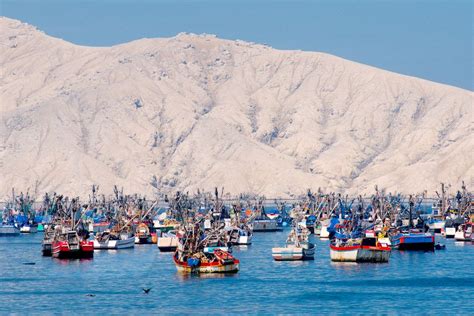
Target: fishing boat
[(450, 232), (323, 230), (9, 230), (437, 226), (294, 251), (436, 222), (365, 249), (413, 239), (262, 221), (203, 250), (465, 232), (99, 227), (317, 228), (68, 245), (218, 261), (167, 241), (143, 234), (165, 224), (47, 243), (8, 227), (238, 236), (310, 223), (297, 246), (29, 228), (114, 240), (265, 225), (412, 236)]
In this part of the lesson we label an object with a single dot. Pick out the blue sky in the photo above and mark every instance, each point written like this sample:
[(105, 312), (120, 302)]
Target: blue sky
[(430, 39)]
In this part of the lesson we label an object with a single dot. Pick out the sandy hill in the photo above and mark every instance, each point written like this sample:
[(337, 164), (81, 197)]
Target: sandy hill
[(196, 111)]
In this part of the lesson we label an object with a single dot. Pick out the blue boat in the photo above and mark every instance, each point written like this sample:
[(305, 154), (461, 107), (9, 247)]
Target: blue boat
[(410, 238), (413, 240)]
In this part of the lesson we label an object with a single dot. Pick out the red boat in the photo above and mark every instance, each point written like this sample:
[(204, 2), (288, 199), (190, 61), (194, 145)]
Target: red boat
[(69, 246)]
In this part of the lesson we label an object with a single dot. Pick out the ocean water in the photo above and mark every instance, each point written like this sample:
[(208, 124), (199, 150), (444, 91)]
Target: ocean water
[(440, 282)]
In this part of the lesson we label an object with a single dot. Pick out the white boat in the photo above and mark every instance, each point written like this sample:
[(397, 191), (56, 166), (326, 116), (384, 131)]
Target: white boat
[(238, 236), (9, 230), (324, 234), (167, 242), (245, 239), (108, 241), (465, 232), (437, 226), (450, 232), (305, 251), (297, 247), (29, 229), (365, 250)]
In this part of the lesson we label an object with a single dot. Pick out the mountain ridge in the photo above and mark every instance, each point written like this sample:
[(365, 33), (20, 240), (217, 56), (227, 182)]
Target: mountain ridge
[(195, 111)]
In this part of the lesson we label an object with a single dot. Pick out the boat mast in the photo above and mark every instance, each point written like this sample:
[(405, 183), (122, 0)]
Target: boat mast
[(443, 200), (410, 209)]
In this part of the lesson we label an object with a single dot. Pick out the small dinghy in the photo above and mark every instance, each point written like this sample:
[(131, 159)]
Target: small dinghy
[(439, 246)]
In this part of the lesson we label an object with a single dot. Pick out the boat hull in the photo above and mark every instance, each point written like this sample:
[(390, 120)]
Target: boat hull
[(47, 249), (9, 230), (29, 229), (62, 250), (359, 254), (245, 240), (99, 227), (324, 233), (414, 242), (437, 226), (450, 232), (115, 244), (213, 267), (167, 244), (461, 236), (291, 253), (266, 226), (144, 240)]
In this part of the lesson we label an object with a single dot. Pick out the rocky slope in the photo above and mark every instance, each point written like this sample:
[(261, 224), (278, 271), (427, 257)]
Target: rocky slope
[(195, 111)]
